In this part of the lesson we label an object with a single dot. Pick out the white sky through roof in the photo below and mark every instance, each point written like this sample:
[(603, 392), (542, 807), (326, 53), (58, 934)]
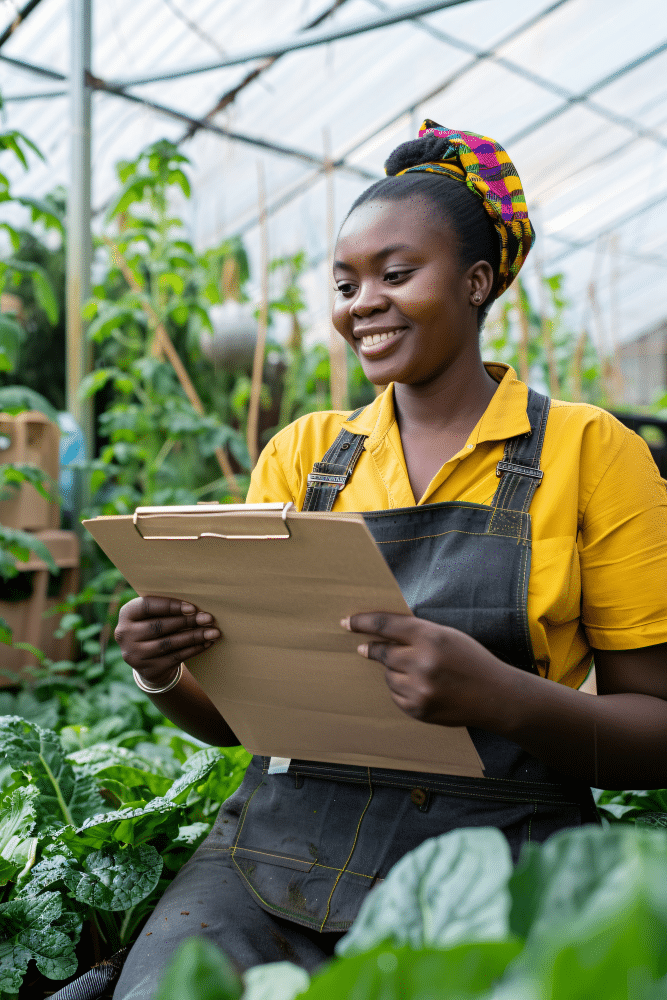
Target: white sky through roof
[(592, 158)]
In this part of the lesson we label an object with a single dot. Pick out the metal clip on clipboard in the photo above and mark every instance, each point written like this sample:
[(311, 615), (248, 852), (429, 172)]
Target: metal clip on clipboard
[(228, 509)]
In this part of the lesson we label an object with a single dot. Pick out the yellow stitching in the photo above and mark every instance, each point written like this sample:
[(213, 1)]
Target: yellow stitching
[(272, 854), (243, 817), (354, 844), (302, 769)]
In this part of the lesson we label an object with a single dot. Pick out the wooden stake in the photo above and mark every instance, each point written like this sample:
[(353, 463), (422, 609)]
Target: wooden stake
[(615, 277), (577, 364), (164, 345), (262, 324), (524, 370), (337, 357), (546, 332)]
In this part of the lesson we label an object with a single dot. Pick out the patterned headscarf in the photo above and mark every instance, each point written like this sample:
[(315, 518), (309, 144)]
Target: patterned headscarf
[(486, 169)]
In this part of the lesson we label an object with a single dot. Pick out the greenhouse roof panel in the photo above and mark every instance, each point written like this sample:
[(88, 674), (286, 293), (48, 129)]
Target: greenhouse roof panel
[(574, 88)]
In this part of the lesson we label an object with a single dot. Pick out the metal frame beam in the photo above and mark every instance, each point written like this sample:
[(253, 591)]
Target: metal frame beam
[(18, 20), (301, 41), (230, 95), (620, 221), (79, 240)]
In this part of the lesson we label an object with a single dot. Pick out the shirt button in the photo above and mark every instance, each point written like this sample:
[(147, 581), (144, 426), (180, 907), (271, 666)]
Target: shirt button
[(418, 796)]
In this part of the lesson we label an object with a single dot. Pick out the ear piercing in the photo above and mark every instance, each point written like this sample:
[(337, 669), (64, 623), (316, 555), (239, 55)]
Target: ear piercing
[(477, 297)]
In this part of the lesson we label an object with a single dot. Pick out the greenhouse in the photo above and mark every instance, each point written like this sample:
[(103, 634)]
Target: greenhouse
[(176, 184)]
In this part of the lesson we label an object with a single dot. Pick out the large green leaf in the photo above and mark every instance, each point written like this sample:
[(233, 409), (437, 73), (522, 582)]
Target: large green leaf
[(592, 904), (452, 888), (199, 971), (11, 335), (115, 879), (275, 981), (466, 972), (37, 753), (27, 932), (195, 770), (17, 821), (125, 826)]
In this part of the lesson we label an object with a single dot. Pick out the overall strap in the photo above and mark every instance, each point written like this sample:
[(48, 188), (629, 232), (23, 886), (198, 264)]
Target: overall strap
[(331, 474), (519, 471)]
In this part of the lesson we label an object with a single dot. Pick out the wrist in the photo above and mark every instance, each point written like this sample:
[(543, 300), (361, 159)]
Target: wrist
[(160, 684)]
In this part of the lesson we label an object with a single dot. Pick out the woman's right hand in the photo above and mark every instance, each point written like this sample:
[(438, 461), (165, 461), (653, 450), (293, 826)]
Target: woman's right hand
[(156, 633)]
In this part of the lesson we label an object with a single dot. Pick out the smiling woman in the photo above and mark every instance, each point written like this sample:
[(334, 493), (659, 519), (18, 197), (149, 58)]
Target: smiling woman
[(527, 535)]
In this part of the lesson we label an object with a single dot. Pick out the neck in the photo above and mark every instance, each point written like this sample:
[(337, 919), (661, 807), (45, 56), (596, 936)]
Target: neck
[(454, 399)]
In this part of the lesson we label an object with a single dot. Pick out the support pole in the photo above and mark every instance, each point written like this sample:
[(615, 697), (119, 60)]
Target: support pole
[(337, 358), (79, 244)]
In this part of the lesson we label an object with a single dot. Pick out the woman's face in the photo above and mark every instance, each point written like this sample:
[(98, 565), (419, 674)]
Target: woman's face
[(403, 302)]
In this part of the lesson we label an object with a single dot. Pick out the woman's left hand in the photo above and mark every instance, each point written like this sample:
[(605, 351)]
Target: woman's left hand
[(435, 673)]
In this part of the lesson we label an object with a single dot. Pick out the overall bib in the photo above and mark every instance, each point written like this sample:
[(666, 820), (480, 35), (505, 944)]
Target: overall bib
[(307, 845)]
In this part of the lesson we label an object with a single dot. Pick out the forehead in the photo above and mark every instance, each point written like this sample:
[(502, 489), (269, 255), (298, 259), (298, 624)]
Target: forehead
[(413, 222)]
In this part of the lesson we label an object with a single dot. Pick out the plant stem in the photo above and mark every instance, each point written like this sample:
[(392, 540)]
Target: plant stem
[(59, 795)]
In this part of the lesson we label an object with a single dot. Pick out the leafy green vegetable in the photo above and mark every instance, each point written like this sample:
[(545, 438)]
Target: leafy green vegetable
[(28, 931), (115, 880), (199, 970), (275, 981), (37, 753), (592, 904), (451, 888)]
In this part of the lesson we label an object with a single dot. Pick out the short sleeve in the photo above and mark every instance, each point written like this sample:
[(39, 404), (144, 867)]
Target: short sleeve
[(268, 482), (623, 552)]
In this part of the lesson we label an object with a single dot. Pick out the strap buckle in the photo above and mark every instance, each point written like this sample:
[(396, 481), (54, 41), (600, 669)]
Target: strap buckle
[(325, 479), (521, 470)]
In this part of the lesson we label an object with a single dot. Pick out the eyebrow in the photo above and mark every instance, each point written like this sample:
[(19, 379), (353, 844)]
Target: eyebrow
[(385, 252)]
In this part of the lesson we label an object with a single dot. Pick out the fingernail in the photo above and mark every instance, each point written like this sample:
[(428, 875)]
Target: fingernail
[(363, 649), (203, 618), (211, 633), (187, 609), (345, 622)]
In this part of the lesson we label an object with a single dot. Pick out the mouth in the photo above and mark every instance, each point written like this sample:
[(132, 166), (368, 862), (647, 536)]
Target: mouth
[(375, 344)]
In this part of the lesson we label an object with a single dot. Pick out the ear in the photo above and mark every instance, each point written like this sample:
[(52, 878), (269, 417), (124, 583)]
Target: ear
[(480, 282)]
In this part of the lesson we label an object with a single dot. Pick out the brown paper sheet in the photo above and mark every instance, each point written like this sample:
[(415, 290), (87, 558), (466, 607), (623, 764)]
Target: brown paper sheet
[(285, 676)]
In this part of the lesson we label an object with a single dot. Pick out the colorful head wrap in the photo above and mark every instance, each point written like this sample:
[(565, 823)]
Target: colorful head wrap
[(486, 169)]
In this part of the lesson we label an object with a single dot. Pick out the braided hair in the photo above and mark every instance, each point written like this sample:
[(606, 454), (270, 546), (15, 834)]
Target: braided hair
[(458, 206)]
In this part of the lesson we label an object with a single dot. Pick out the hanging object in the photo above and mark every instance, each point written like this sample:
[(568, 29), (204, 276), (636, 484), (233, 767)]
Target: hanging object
[(232, 343)]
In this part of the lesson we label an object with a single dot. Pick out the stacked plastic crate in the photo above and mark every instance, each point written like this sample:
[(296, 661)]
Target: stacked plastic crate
[(31, 439)]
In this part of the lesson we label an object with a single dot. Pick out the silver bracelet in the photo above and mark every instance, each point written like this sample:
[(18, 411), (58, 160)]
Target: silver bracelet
[(149, 689)]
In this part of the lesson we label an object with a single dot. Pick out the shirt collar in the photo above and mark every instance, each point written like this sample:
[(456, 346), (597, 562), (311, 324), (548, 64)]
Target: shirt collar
[(504, 417)]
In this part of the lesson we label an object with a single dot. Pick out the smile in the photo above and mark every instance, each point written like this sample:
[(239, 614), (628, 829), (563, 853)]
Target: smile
[(378, 343)]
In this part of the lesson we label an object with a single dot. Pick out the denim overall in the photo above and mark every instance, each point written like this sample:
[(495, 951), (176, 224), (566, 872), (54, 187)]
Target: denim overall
[(308, 844), (311, 842)]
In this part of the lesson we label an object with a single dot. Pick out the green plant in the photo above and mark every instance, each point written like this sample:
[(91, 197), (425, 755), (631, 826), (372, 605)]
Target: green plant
[(151, 304), (17, 270), (86, 829), (583, 915)]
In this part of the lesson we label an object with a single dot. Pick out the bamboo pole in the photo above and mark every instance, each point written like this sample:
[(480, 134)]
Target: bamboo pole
[(524, 338), (337, 358), (577, 365), (263, 321), (605, 364), (614, 329), (546, 329), (164, 345)]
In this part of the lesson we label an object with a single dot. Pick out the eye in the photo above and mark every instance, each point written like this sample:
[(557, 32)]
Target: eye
[(344, 287), (395, 276)]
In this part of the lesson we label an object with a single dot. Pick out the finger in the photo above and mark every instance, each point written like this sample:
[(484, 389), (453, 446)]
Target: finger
[(167, 644), (156, 607), (152, 628), (386, 653), (401, 628)]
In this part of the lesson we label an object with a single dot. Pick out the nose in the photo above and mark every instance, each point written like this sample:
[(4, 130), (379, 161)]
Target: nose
[(369, 299)]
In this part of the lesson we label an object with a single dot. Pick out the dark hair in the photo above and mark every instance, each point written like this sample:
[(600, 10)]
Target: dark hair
[(476, 236)]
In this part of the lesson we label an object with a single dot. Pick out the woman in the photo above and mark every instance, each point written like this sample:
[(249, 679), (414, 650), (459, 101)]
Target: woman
[(462, 473)]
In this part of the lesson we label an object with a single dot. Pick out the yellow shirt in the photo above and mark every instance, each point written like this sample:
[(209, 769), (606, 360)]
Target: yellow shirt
[(599, 518)]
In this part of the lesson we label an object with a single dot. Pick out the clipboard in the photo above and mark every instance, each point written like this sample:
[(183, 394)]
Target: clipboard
[(285, 676)]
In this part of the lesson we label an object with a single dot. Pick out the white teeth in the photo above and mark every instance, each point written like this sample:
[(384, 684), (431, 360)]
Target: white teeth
[(377, 338)]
